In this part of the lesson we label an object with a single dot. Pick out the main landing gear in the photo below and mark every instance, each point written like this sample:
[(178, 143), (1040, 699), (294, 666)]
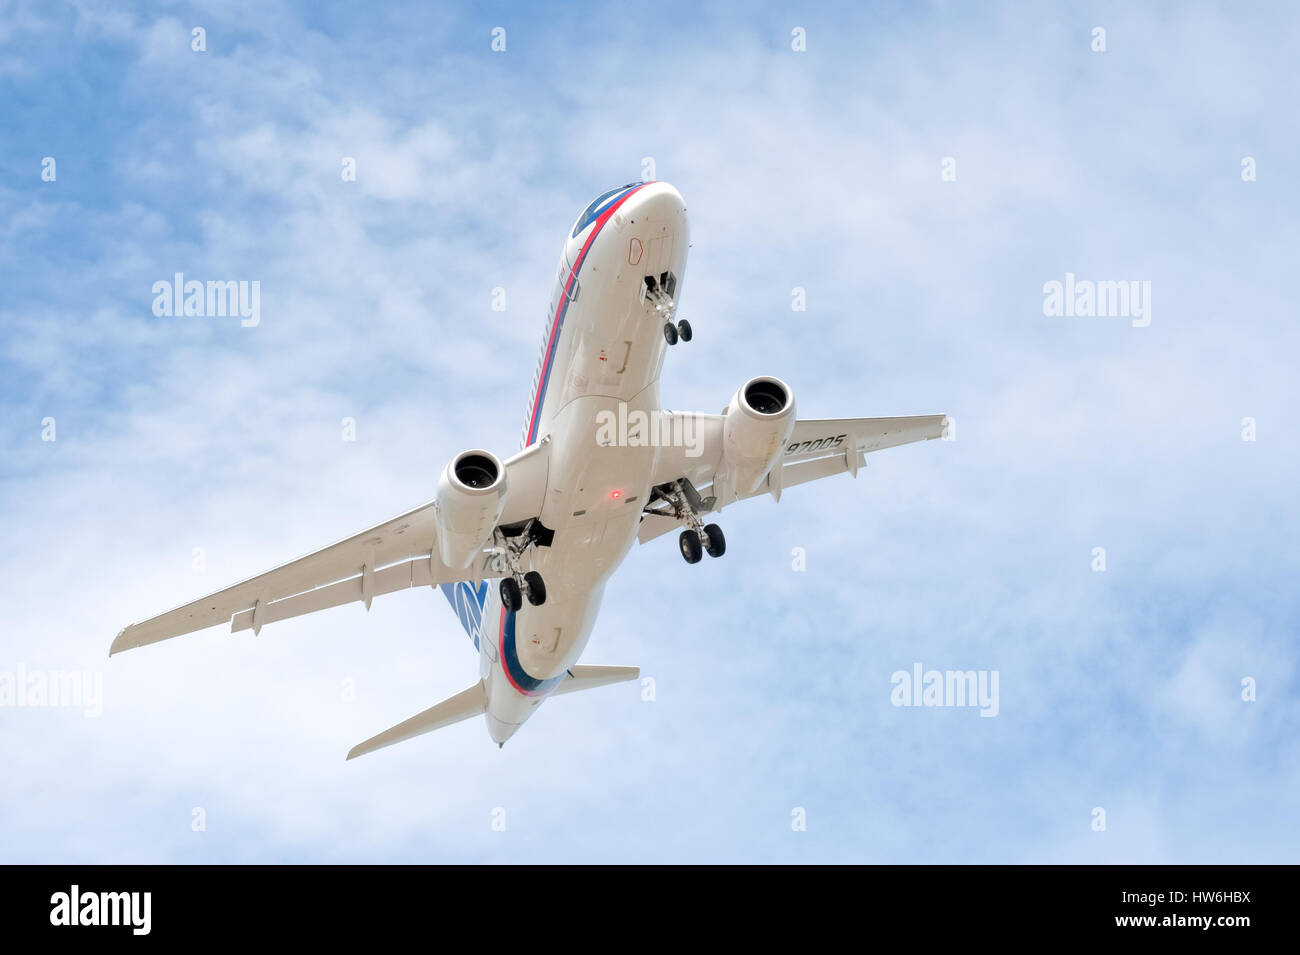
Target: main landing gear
[(683, 502), (520, 584), (512, 594), (708, 540)]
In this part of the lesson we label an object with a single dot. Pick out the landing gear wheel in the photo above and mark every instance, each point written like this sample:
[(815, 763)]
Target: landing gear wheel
[(670, 333), (511, 597), (690, 545), (536, 588), (684, 330), (715, 544)]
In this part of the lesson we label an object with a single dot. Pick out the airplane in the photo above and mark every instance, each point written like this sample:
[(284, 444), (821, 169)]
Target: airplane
[(602, 465)]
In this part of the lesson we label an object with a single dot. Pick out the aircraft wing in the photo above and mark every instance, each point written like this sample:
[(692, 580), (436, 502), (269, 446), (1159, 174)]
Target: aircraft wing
[(818, 437), (383, 559), (818, 448)]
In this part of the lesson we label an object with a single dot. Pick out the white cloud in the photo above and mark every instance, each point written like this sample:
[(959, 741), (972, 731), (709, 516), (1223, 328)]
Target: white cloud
[(773, 686)]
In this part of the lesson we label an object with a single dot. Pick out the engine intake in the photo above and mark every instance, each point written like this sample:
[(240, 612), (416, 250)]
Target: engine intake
[(758, 424), (470, 498), (766, 396)]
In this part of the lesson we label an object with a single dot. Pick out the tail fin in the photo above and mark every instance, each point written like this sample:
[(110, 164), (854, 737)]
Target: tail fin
[(462, 706), (467, 600), (586, 677)]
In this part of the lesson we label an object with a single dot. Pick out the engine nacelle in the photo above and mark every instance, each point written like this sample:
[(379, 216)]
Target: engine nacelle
[(471, 496), (757, 426)]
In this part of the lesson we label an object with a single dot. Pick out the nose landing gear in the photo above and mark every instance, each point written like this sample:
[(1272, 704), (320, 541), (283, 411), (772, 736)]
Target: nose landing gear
[(681, 330), (660, 292)]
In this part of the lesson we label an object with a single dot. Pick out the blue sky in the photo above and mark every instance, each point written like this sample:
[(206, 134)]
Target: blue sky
[(820, 170)]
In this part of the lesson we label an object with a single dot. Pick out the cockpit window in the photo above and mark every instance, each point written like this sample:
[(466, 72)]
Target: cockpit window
[(598, 205)]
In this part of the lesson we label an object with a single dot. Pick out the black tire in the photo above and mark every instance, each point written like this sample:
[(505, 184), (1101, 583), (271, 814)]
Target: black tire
[(714, 544), (511, 596), (535, 587), (684, 330), (689, 542), (670, 333)]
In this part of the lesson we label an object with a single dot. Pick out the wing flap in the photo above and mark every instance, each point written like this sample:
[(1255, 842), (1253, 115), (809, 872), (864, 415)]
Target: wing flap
[(404, 536), (814, 437), (805, 471), (412, 573), (818, 448), (698, 455), (343, 571)]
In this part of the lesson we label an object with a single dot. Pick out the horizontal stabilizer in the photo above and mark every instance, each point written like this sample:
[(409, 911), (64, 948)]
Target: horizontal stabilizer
[(586, 677), (462, 706)]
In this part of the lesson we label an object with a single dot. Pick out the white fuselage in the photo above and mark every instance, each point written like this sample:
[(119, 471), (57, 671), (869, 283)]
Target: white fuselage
[(604, 346)]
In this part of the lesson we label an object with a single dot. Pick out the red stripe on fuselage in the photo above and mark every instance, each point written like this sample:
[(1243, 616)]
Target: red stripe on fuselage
[(562, 306)]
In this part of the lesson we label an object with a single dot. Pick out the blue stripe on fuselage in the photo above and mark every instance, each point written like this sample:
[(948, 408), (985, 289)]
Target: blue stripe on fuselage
[(529, 685), (600, 204)]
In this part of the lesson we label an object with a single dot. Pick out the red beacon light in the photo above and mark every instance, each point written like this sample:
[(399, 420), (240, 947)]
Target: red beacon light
[(615, 494)]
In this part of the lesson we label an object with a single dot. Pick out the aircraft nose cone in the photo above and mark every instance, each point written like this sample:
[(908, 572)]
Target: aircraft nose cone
[(657, 202)]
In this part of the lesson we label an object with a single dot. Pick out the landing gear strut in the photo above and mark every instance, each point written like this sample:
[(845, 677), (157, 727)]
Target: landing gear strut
[(660, 292), (683, 502), (519, 583)]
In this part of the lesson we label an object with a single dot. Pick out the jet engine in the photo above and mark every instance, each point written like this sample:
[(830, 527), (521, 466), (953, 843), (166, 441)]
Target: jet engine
[(757, 426), (471, 496)]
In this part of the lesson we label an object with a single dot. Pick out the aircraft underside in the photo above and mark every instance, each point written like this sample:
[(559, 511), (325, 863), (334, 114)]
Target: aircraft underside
[(522, 547)]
